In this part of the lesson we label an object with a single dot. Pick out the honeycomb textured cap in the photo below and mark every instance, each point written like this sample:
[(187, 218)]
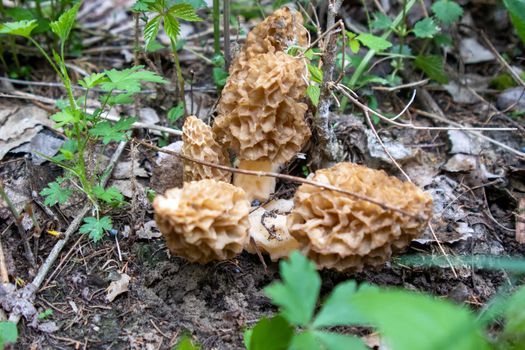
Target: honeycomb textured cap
[(344, 233), (199, 143), (280, 30), (260, 113), (269, 231), (203, 221)]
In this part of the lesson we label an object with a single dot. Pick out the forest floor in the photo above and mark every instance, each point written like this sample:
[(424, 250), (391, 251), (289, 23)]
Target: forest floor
[(476, 186)]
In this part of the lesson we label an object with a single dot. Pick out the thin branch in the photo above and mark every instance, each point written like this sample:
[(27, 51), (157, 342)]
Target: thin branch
[(283, 177)]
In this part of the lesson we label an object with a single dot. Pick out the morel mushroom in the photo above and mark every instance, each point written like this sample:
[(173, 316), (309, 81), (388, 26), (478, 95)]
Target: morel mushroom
[(198, 143), (203, 221), (269, 231), (344, 233), (261, 118)]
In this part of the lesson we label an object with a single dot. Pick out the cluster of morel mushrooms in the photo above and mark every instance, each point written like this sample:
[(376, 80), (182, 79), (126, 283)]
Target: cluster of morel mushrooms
[(261, 120)]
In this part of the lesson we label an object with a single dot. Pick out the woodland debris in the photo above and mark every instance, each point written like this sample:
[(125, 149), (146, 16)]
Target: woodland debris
[(520, 222), (513, 98), (471, 51), (168, 169), (118, 287)]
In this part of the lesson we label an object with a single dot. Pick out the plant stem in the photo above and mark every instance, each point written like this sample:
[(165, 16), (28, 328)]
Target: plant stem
[(179, 74), (371, 53), (216, 27), (226, 21)]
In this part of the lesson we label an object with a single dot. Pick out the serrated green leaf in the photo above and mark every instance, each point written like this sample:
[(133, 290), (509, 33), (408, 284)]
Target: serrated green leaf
[(92, 80), (316, 74), (334, 341), (433, 67), (171, 27), (142, 5), (426, 28), (112, 132), (129, 79), (411, 321), (96, 228), (373, 42), (21, 28), (66, 116), (313, 92), (119, 99), (447, 11), (337, 310), (196, 4), (184, 11), (54, 194), (269, 334), (298, 293), (186, 344), (8, 332), (62, 27), (151, 30), (110, 195), (381, 21)]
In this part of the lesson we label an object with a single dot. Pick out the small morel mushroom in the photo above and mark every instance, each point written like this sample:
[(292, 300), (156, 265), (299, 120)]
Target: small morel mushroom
[(344, 233), (261, 118), (198, 143), (203, 221), (269, 231)]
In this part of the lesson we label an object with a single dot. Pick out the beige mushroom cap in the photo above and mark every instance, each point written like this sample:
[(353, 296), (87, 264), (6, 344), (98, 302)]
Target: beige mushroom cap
[(200, 144), (344, 233), (269, 231), (260, 116), (203, 221), (280, 30)]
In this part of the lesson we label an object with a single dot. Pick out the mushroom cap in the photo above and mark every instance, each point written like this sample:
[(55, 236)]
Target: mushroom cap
[(199, 143), (203, 221), (280, 30), (260, 116), (269, 231), (344, 233)]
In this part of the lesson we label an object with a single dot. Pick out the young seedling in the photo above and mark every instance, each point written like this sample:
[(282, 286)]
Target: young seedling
[(85, 129)]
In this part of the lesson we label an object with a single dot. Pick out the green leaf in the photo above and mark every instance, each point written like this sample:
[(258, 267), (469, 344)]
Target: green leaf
[(67, 151), (93, 80), (269, 334), (433, 67), (516, 10), (151, 30), (171, 26), (334, 341), (313, 92), (337, 310), (176, 112), (62, 27), (66, 116), (8, 332), (54, 194), (184, 11), (21, 28), (112, 132), (515, 315), (141, 5), (297, 294), (373, 42), (45, 314), (411, 321), (186, 344), (119, 99), (447, 11), (96, 228), (353, 43), (109, 195), (196, 4), (316, 74), (381, 21), (426, 28), (305, 341), (220, 76), (130, 79)]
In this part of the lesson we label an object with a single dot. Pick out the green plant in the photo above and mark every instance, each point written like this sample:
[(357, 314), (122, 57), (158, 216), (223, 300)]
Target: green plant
[(168, 13), (45, 314), (8, 333), (85, 129), (405, 320)]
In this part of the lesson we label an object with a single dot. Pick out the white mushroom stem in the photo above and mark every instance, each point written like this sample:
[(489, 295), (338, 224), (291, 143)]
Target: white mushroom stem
[(256, 187)]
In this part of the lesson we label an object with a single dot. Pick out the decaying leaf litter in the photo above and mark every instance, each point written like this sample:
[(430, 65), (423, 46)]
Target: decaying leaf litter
[(127, 292)]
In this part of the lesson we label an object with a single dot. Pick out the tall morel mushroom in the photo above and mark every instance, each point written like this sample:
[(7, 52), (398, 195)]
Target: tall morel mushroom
[(198, 143), (203, 221), (344, 233)]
